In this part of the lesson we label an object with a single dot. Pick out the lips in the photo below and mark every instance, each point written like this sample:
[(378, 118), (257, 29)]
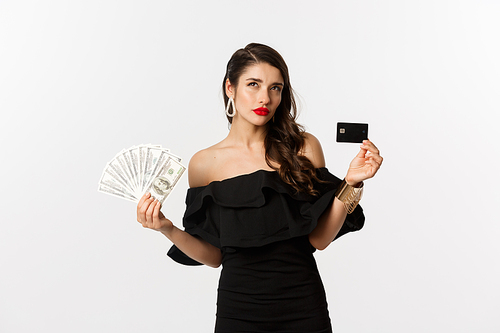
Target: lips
[(261, 111)]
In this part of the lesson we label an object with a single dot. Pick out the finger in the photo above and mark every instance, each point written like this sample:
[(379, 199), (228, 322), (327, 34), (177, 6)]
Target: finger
[(372, 162), (149, 212), (362, 152), (376, 159), (143, 198), (140, 207), (373, 167), (156, 213), (142, 212), (368, 145), (368, 142)]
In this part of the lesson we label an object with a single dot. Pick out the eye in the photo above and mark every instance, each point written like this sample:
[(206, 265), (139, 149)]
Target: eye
[(252, 84), (277, 88)]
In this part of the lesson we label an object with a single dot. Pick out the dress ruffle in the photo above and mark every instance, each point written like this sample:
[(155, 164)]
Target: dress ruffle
[(257, 209)]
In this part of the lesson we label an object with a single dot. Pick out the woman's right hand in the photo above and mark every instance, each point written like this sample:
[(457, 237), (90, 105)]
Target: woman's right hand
[(149, 215)]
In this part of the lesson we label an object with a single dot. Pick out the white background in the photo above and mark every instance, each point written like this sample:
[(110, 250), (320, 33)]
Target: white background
[(81, 80)]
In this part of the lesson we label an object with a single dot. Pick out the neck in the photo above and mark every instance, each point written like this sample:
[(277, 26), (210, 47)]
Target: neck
[(246, 134)]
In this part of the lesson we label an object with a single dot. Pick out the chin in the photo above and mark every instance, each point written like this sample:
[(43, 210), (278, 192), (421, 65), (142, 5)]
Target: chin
[(262, 122)]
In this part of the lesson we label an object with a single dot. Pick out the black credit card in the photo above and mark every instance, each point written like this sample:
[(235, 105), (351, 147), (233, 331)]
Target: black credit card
[(352, 132)]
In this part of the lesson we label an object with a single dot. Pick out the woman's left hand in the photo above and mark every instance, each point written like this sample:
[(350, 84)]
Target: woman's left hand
[(365, 165)]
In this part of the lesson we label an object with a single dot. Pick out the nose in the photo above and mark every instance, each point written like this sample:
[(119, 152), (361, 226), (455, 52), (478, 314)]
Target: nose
[(264, 98)]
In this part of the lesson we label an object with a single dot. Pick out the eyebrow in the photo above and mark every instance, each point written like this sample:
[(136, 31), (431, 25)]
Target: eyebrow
[(260, 81)]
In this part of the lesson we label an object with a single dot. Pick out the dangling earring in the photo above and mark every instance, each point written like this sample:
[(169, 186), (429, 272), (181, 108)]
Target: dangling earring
[(229, 103)]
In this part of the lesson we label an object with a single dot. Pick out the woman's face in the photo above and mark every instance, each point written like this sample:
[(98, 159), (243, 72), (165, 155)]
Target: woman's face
[(257, 95)]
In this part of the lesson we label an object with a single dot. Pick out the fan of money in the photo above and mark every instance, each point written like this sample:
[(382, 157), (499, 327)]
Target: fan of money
[(140, 169)]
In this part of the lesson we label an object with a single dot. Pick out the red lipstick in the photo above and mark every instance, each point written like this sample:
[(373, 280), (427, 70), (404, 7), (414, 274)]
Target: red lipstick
[(261, 111)]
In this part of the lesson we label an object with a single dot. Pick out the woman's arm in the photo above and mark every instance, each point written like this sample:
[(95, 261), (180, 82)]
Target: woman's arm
[(149, 215), (365, 165), (332, 220), (328, 226)]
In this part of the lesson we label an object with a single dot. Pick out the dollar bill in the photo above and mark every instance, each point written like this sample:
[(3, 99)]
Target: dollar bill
[(119, 173), (105, 189), (110, 180), (165, 179), (153, 154), (140, 169)]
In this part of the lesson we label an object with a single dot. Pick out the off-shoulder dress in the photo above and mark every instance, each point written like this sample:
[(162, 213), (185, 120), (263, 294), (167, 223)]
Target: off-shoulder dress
[(269, 279)]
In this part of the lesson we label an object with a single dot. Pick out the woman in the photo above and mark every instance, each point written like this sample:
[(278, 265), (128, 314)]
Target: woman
[(261, 201)]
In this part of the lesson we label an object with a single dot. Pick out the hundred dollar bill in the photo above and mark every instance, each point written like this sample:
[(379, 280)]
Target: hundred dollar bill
[(132, 155), (109, 180), (175, 157), (105, 189), (162, 159), (165, 179), (153, 154), (132, 172), (119, 173)]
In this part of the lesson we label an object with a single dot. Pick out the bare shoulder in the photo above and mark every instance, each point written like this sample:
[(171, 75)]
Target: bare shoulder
[(313, 151), (199, 167)]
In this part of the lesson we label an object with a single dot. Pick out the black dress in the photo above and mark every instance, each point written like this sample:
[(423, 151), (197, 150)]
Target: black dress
[(269, 280)]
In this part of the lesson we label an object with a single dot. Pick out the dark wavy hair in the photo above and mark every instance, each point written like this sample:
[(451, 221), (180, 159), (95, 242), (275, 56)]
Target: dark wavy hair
[(285, 137)]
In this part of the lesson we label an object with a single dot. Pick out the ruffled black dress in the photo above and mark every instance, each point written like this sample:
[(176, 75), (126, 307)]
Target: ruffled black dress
[(269, 280)]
